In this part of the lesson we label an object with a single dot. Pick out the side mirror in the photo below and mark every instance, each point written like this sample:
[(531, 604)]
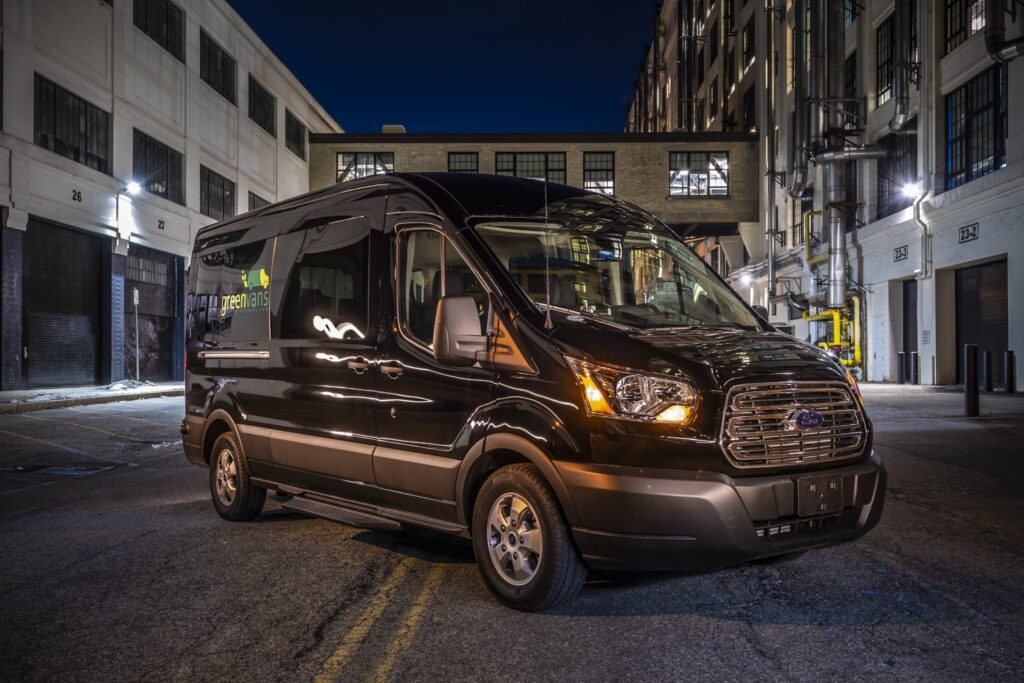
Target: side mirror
[(761, 311), (457, 338)]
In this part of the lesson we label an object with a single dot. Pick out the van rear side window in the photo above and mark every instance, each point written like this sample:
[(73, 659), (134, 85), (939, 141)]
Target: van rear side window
[(324, 273), (232, 300)]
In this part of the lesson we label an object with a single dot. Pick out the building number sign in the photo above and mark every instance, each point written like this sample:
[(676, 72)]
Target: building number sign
[(900, 254), (76, 195), (968, 233)]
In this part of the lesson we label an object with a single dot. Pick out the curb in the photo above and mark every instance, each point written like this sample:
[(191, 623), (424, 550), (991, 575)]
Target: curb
[(31, 406)]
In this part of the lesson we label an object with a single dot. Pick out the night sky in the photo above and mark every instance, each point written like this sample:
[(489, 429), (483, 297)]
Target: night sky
[(461, 65)]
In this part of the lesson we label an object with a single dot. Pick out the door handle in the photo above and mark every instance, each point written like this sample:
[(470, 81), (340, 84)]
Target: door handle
[(392, 371), (359, 365)]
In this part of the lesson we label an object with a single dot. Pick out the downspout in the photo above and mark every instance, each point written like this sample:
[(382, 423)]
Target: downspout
[(656, 69), (770, 158), (900, 91), (922, 228), (799, 146), (1000, 49)]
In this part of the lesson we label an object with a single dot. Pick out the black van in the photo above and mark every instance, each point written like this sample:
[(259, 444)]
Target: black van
[(549, 372)]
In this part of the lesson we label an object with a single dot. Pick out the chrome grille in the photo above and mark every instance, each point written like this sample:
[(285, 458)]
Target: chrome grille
[(756, 429)]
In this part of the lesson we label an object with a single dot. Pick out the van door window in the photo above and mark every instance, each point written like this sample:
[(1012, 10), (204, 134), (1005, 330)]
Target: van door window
[(232, 299), (423, 253), (326, 292)]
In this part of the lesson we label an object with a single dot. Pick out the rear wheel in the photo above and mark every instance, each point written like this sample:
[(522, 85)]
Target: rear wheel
[(235, 497), (523, 547)]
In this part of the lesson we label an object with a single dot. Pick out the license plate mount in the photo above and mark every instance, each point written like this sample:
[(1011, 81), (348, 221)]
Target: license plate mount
[(820, 495)]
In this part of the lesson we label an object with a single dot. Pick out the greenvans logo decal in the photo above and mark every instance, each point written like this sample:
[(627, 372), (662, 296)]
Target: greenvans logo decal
[(255, 278), (256, 296)]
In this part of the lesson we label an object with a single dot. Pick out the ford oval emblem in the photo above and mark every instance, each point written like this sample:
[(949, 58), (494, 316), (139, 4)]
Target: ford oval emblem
[(805, 420)]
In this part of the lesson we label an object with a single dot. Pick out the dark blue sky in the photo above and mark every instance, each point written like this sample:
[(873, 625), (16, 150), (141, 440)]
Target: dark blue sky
[(461, 65)]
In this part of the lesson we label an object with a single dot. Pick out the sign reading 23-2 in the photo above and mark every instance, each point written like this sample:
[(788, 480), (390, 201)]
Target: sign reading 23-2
[(968, 233)]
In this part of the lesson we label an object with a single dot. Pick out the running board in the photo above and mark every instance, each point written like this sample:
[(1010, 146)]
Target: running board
[(337, 513)]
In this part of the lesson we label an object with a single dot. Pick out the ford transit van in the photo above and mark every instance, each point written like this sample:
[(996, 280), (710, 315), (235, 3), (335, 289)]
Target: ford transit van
[(548, 372)]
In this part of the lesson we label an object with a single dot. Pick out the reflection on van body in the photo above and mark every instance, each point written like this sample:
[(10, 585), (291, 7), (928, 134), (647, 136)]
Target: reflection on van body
[(568, 386)]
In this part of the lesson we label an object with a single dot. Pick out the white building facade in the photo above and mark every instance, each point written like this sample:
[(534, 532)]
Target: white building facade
[(127, 125), (926, 283)]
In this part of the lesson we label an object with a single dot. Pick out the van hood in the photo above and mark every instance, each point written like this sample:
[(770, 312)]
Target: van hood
[(710, 356)]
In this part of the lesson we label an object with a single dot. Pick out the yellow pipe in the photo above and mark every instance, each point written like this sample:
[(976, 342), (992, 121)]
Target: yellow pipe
[(811, 260), (837, 327)]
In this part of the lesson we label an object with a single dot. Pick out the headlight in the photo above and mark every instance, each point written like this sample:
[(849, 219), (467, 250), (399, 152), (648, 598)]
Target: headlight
[(852, 381), (618, 392)]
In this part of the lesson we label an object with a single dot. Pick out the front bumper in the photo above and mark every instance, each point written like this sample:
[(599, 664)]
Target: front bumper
[(669, 520)]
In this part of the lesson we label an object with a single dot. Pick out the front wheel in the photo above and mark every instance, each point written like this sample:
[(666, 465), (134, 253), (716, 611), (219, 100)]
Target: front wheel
[(523, 546), (234, 495)]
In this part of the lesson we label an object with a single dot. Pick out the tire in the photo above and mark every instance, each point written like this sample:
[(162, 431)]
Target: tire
[(529, 570), (234, 496)]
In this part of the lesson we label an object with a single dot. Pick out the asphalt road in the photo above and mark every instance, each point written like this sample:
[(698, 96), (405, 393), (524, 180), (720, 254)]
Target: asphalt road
[(115, 566)]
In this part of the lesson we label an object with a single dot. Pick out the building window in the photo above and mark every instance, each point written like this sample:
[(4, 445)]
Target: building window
[(257, 202), (964, 18), (749, 44), (71, 127), (713, 99), (976, 127), (356, 165), (700, 67), (851, 105), (698, 124), (294, 135), (216, 195), (464, 162), (698, 174), (729, 12), (898, 168), (157, 168), (714, 39), (885, 44), (849, 12), (548, 166), (750, 109), (599, 172), (730, 71), (262, 107), (164, 22), (216, 67)]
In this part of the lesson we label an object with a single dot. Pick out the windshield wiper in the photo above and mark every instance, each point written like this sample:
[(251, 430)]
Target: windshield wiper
[(584, 314)]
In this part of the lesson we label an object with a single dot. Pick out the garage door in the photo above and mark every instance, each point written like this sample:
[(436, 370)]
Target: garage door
[(981, 314), (155, 275), (62, 270)]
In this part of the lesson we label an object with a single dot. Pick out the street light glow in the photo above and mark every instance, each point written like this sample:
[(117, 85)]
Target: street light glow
[(912, 190), (133, 188)]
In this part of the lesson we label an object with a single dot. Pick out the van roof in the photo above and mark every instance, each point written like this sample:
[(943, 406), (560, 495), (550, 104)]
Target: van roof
[(459, 195)]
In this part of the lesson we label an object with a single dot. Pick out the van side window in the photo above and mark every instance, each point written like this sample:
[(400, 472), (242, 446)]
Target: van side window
[(423, 253), (232, 300), (325, 295)]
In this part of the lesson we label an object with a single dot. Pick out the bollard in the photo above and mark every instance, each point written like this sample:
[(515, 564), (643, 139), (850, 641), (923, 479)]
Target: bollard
[(986, 371), (901, 367), (971, 400), (914, 368), (1009, 372)]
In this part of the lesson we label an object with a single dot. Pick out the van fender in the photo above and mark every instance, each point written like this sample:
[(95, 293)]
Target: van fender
[(214, 416), (521, 446)]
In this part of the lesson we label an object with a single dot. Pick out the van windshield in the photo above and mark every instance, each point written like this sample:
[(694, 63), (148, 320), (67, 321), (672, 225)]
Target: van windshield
[(642, 277)]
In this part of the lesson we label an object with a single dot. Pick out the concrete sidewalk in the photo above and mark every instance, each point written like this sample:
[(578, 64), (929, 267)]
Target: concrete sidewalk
[(23, 401)]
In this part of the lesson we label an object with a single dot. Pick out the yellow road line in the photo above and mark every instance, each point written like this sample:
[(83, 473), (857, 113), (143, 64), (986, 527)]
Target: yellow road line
[(74, 424), (357, 634), (126, 417), (410, 624), (51, 444)]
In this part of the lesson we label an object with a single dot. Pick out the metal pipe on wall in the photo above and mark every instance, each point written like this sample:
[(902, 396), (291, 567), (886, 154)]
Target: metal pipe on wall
[(835, 169), (817, 63), (769, 153), (1000, 49), (798, 143), (901, 74)]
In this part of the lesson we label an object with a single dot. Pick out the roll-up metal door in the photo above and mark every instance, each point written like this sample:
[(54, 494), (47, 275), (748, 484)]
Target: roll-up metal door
[(61, 290), (981, 314), (155, 275)]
